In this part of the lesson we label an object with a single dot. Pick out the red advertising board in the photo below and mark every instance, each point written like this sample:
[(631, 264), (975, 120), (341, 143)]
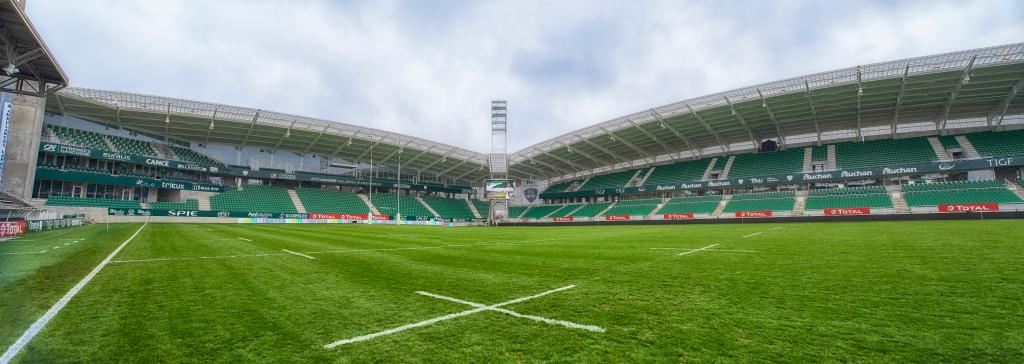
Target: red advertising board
[(319, 216), (12, 229), (382, 217), (678, 216), (753, 214), (969, 207), (563, 219), (848, 211), (616, 217)]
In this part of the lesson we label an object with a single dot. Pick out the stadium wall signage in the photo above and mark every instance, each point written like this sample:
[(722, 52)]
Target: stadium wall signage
[(43, 225), (862, 173), (11, 229), (75, 176), (563, 219), (680, 216), (337, 180), (616, 217), (848, 211), (248, 215), (121, 157), (973, 207), (753, 214)]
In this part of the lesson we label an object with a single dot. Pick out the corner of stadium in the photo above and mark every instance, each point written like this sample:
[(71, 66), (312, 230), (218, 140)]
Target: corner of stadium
[(374, 240)]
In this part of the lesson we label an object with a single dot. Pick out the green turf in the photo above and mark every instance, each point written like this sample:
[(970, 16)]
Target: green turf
[(812, 292)]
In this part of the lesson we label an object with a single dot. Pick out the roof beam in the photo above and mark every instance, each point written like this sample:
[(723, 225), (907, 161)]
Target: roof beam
[(248, 132), (368, 150), (554, 170), (396, 152), (467, 173), (449, 169), (586, 155), (343, 145), (965, 77), (287, 133), (417, 157), (899, 100), (60, 104), (860, 95), (814, 111), (604, 150), (707, 126), (209, 129), (771, 116), (694, 152), (626, 142), (651, 136), (539, 172), (565, 161), (167, 122), (1004, 104), (743, 121), (310, 146), (439, 160)]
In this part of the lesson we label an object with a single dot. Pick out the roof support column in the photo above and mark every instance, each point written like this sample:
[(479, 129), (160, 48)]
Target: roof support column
[(814, 112), (965, 78), (899, 101)]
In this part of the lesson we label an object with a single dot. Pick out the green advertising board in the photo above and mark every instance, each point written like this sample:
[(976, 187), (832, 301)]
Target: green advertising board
[(106, 179)]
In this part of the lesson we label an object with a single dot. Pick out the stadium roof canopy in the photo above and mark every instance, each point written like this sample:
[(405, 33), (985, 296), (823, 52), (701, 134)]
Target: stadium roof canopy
[(35, 71), (202, 122), (977, 88)]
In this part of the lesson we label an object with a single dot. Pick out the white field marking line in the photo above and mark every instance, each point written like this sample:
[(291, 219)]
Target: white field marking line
[(408, 248), (244, 238), (196, 258), (53, 311), (299, 254), (23, 253), (442, 318), (697, 250), (569, 324), (754, 234), (716, 250)]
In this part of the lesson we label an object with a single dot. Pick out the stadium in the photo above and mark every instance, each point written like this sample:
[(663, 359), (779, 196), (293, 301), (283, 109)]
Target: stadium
[(869, 213)]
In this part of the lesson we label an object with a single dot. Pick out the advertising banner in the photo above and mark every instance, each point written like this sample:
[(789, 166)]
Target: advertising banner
[(563, 219), (753, 214), (678, 216), (848, 211), (43, 225), (12, 229), (969, 207), (121, 157), (106, 179), (616, 217)]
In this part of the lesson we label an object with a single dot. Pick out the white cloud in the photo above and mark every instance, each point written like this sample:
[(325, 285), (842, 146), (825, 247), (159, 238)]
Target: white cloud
[(430, 70)]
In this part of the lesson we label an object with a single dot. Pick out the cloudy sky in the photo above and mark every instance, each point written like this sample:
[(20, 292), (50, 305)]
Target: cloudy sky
[(430, 68)]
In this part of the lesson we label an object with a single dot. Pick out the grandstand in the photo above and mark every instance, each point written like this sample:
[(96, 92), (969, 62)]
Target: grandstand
[(591, 210), (853, 197), (450, 208), (632, 208), (401, 205), (764, 201), (331, 202), (254, 198), (767, 164), (961, 192)]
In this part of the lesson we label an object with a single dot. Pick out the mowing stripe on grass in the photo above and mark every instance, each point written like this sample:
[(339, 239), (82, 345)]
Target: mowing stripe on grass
[(53, 311), (443, 318), (697, 250), (299, 254), (754, 234)]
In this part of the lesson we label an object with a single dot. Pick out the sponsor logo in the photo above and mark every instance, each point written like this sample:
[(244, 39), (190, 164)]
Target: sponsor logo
[(158, 162), (1000, 162), (186, 213), (945, 166), (740, 181), (49, 147), (116, 156), (856, 173), (223, 214), (753, 213), (973, 207), (848, 211), (664, 188), (678, 216), (245, 173), (789, 178), (691, 185), (616, 217), (177, 186), (12, 228), (563, 219), (900, 170), (813, 176), (719, 184)]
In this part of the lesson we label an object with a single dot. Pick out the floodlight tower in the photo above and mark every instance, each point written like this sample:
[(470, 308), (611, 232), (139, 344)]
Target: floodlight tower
[(498, 159)]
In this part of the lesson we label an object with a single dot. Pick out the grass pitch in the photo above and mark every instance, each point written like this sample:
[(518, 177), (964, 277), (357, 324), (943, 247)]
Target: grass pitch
[(878, 292)]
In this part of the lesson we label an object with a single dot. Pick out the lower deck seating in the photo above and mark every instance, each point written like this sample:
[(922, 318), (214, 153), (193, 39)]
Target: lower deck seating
[(537, 212), (764, 201), (960, 192), (450, 208), (392, 204), (188, 204), (691, 205), (566, 210), (591, 210), (632, 208), (853, 197), (92, 202), (515, 211), (254, 198), (482, 207), (331, 202)]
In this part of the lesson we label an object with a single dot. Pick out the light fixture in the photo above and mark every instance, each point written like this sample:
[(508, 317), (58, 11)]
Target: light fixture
[(10, 69)]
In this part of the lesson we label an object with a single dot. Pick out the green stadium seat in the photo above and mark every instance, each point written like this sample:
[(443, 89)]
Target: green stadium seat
[(131, 146), (537, 212), (79, 138), (389, 204), (998, 144), (483, 207), (189, 204), (189, 155), (852, 197), (566, 210), (633, 207), (331, 202), (561, 186), (614, 180), (253, 198), (767, 164), (886, 152), (763, 201), (691, 205), (92, 202), (959, 192), (591, 210), (450, 208), (678, 172)]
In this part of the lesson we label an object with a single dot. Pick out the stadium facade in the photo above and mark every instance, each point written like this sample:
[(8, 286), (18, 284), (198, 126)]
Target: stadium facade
[(868, 139)]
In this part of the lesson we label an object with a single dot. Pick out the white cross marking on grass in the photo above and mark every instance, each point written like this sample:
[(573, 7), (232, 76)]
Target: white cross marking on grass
[(55, 309), (697, 250), (299, 254), (477, 308), (754, 234)]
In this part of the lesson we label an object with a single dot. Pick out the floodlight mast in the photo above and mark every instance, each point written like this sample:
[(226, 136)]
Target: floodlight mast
[(498, 159)]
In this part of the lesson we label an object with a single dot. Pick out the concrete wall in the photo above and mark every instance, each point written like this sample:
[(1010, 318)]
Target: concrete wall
[(23, 145)]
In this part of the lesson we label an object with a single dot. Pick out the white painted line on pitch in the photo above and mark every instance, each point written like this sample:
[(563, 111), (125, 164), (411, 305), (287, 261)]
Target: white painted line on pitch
[(53, 311), (244, 238), (712, 249), (299, 254), (478, 308), (754, 234), (569, 324), (697, 250), (196, 258), (776, 228), (22, 253)]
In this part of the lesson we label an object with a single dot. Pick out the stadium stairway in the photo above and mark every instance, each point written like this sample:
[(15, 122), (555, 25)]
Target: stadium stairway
[(711, 168), (657, 209), (832, 163), (606, 209), (577, 186), (646, 176), (472, 207), (204, 202), (968, 148), (574, 209), (296, 201), (721, 205), (801, 203), (898, 202), (369, 204), (938, 148), (1016, 188), (110, 144), (727, 168), (808, 159), (431, 209)]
